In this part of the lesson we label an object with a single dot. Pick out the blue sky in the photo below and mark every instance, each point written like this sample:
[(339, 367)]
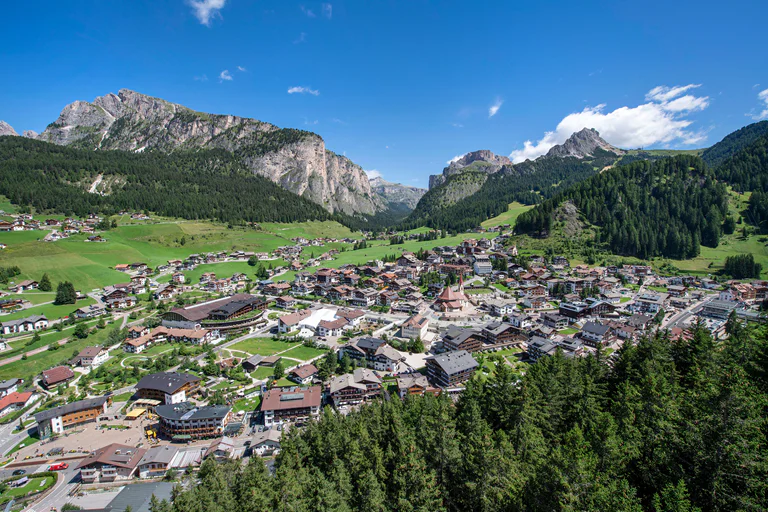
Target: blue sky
[(401, 87)]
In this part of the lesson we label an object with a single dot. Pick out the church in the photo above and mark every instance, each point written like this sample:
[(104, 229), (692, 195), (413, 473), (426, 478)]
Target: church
[(450, 301)]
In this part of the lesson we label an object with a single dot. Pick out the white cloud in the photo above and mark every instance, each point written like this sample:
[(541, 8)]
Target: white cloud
[(338, 121), (457, 125), (201, 78), (308, 122), (241, 68), (225, 75), (301, 39), (303, 90), (663, 93), (455, 159), (205, 10), (308, 12), (662, 120), (373, 173), (328, 10), (763, 97), (687, 103), (494, 108)]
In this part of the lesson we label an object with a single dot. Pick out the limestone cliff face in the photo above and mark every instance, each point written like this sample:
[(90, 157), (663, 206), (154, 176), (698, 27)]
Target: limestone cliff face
[(295, 159), (6, 129), (397, 194), (482, 161)]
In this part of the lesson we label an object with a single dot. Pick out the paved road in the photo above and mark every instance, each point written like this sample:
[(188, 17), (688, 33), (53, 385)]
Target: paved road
[(7, 438), (59, 495)]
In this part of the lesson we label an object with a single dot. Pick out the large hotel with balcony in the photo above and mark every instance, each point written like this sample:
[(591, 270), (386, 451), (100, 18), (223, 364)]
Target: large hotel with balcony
[(186, 421)]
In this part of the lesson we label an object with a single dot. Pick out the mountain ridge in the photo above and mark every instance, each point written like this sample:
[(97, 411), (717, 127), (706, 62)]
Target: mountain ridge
[(295, 159)]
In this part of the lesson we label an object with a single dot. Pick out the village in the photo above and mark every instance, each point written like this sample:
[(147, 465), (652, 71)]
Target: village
[(245, 358)]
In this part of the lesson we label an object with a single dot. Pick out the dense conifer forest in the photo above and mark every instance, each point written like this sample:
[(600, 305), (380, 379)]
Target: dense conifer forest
[(207, 184), (645, 209), (528, 182), (670, 425)]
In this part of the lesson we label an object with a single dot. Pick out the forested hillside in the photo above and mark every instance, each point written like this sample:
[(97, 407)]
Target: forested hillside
[(676, 425), (209, 184), (528, 182), (645, 209), (734, 142)]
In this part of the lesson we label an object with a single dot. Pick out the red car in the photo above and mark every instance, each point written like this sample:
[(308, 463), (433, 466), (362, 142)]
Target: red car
[(58, 467)]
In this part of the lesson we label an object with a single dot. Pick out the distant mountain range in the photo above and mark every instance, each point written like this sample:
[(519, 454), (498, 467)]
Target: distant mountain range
[(480, 184), (297, 160)]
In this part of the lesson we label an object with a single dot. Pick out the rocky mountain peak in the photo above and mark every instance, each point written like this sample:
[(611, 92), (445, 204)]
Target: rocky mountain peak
[(295, 159), (31, 134), (482, 160), (6, 129), (396, 194), (583, 144)]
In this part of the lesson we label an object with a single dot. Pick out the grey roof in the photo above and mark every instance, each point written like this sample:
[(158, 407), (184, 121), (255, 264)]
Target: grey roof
[(721, 304), (8, 384), (138, 496), (595, 328), (254, 359), (29, 319), (168, 382), (190, 411), (271, 434), (159, 455), (370, 343), (80, 405), (455, 362)]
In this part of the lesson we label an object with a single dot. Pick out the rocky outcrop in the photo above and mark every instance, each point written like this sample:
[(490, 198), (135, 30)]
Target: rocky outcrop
[(583, 144), (31, 134), (396, 194), (482, 161), (297, 160), (6, 129)]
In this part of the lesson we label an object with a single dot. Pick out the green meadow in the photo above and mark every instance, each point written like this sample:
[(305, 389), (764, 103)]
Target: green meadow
[(508, 217)]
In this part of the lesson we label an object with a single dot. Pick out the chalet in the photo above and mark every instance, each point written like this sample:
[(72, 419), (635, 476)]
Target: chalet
[(92, 357), (91, 311), (500, 333), (24, 286), (499, 307), (354, 388), (287, 323), (277, 289), (303, 374), (363, 298), (332, 327), (297, 405), (521, 321), (15, 401), (353, 316), (28, 324), (595, 334), (387, 298), (375, 352), (166, 291), (554, 320), (285, 302), (414, 384), (266, 443), (457, 338), (55, 376)]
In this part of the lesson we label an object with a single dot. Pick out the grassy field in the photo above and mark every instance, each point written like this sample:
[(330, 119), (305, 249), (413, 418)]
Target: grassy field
[(263, 346), (508, 217), (33, 365), (303, 353), (90, 265), (35, 485), (51, 311)]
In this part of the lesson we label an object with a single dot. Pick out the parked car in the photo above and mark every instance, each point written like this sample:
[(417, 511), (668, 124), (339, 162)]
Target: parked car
[(19, 472), (58, 467)]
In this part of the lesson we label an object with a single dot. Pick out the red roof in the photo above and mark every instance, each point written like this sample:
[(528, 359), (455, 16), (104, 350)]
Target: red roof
[(15, 398), (448, 295), (58, 374), (294, 398)]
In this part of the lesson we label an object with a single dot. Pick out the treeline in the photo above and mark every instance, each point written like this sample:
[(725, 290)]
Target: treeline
[(675, 425), (210, 184), (747, 170), (528, 182), (645, 209), (742, 266)]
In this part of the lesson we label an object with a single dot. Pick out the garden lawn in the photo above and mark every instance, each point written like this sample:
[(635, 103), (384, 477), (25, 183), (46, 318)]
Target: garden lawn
[(303, 353), (263, 346), (35, 485), (246, 404), (262, 372)]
